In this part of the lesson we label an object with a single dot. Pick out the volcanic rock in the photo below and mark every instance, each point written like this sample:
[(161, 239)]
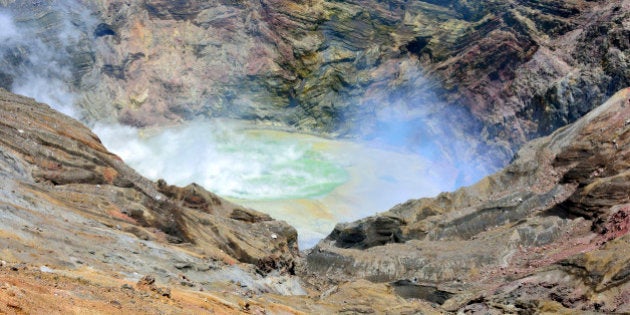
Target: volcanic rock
[(464, 80), (201, 252), (54, 169), (549, 231), (505, 71)]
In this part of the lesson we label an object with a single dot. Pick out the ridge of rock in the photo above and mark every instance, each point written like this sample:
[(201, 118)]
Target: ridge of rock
[(550, 230), (53, 166)]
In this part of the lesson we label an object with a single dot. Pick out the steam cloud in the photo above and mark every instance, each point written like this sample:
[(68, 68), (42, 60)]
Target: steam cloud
[(35, 59), (8, 31), (312, 183), (227, 159), (408, 117)]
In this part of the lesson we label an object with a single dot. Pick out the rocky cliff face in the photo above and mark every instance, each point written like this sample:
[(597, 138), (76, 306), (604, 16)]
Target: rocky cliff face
[(58, 181), (548, 232), (506, 72)]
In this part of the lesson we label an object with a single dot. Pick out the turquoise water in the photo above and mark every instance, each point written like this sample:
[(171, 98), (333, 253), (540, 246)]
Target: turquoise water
[(268, 168), (310, 182), (230, 161)]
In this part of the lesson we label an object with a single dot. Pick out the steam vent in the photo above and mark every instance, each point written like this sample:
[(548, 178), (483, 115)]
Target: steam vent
[(314, 157)]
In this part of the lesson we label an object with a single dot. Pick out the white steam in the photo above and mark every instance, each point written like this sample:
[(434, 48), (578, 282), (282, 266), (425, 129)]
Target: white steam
[(310, 182), (8, 31), (407, 116), (226, 159), (38, 57), (52, 92)]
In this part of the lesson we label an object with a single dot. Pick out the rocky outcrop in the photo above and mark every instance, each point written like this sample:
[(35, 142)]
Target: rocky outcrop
[(505, 71), (54, 168), (546, 233)]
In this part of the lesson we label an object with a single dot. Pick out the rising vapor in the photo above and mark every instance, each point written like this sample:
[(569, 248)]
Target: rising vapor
[(36, 59)]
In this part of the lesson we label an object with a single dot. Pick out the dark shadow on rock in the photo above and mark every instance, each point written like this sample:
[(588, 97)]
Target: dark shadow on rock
[(410, 290), (373, 231)]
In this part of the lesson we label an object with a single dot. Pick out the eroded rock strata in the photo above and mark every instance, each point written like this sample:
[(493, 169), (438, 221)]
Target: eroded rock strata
[(67, 202), (47, 154), (548, 232), (505, 71)]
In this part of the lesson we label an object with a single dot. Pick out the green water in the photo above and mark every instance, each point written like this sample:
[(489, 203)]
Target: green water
[(312, 183), (230, 161), (285, 168)]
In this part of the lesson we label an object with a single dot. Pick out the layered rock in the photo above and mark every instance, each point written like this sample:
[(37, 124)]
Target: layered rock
[(59, 182), (548, 232), (506, 72)]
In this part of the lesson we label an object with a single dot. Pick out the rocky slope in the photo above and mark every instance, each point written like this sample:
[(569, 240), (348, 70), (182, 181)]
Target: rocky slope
[(506, 71), (47, 154), (68, 203), (547, 233)]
